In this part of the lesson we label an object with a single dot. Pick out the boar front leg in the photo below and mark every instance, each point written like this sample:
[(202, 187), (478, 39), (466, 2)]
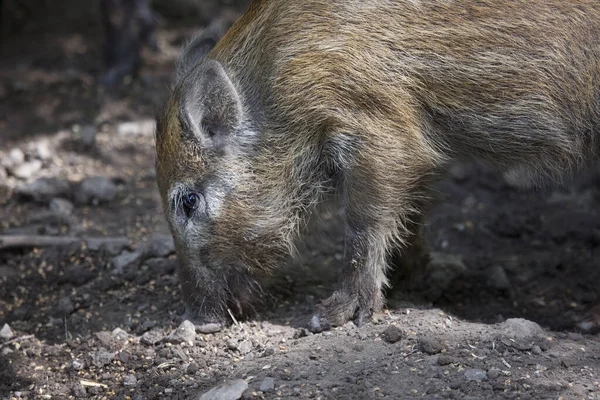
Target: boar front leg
[(377, 217)]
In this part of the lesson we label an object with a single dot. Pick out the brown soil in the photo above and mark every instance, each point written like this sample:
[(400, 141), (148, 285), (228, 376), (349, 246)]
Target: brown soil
[(507, 260)]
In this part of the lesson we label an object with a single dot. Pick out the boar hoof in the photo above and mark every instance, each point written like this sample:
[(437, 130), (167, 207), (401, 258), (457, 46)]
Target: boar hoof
[(339, 309)]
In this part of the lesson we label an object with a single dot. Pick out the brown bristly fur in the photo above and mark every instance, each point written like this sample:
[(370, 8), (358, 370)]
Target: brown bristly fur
[(371, 99)]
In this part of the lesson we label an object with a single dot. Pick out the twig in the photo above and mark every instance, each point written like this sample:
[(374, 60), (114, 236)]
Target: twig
[(17, 340), (21, 241)]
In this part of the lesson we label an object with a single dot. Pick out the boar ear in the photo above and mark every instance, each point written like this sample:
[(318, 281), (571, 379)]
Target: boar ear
[(195, 51), (211, 105)]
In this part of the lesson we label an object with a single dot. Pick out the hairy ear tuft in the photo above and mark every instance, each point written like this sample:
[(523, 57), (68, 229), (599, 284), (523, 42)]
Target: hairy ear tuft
[(195, 51), (211, 105)]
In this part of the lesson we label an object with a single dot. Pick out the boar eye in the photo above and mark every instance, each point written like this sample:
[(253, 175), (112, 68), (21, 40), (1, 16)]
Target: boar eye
[(190, 202)]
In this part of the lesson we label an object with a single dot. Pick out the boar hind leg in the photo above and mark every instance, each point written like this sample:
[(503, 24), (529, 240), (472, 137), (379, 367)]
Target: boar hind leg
[(377, 219)]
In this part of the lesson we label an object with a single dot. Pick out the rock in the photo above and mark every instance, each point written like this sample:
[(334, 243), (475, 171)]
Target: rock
[(445, 360), (65, 306), (537, 350), (392, 334), (473, 374), (152, 337), (192, 368), (493, 373), (105, 338), (300, 333), (161, 266), (78, 364), (110, 247), (119, 334), (102, 357), (129, 380), (267, 385), (126, 262), (45, 189), (245, 347), (87, 135), (26, 170), (42, 150), (161, 245), (95, 190), (6, 333), (185, 332), (61, 206), (211, 327), (519, 328), (230, 390), (497, 278), (430, 345), (14, 157)]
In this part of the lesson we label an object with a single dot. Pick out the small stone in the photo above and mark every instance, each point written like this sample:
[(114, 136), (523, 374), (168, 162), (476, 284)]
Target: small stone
[(537, 350), (61, 206), (42, 150), (493, 373), (105, 338), (300, 333), (27, 169), (126, 262), (44, 189), (78, 364), (161, 266), (14, 157), (211, 327), (392, 334), (185, 332), (430, 345), (267, 385), (6, 333), (230, 390), (152, 337), (119, 334), (519, 328), (65, 306), (161, 245), (498, 279), (445, 360), (129, 380), (102, 357), (95, 190), (473, 374), (192, 368), (245, 347)]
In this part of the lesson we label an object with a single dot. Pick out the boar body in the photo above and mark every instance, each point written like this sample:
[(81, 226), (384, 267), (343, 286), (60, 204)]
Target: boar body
[(370, 100)]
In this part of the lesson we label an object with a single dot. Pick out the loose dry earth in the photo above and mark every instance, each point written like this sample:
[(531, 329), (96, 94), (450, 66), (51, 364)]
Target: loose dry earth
[(506, 308)]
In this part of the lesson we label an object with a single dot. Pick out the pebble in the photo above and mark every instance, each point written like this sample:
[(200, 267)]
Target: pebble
[(129, 380), (537, 350), (44, 189), (392, 334), (126, 261), (192, 368), (102, 357), (473, 374), (6, 333), (185, 332), (95, 190), (430, 345), (230, 390), (42, 150), (61, 206), (152, 337), (519, 328), (27, 169), (300, 333), (87, 135), (445, 360), (267, 385), (211, 327), (105, 338), (245, 347), (78, 364), (119, 334), (493, 373), (14, 157), (161, 245)]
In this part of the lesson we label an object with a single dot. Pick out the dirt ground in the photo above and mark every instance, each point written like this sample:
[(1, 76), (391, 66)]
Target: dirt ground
[(507, 308)]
